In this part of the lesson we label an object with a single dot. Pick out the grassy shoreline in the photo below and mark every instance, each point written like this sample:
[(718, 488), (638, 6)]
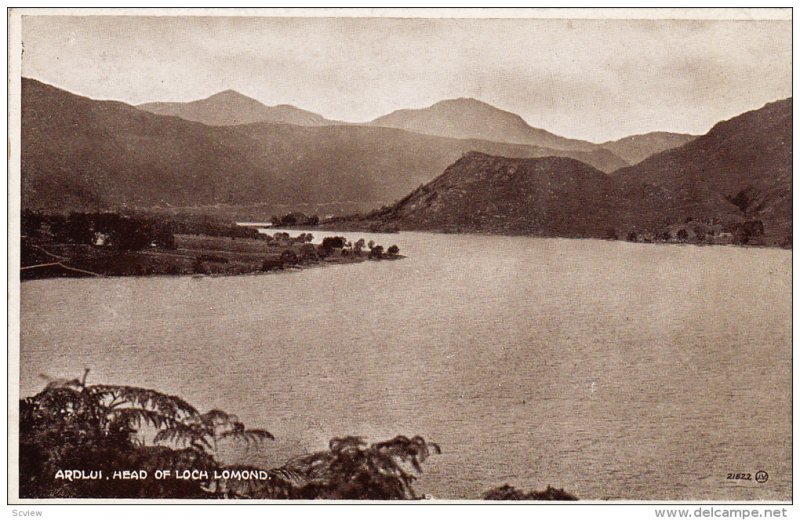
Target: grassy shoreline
[(193, 255)]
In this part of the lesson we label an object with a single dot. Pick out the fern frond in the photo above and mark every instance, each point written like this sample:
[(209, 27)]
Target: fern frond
[(338, 444), (217, 417), (184, 434), (148, 399), (139, 416), (249, 436)]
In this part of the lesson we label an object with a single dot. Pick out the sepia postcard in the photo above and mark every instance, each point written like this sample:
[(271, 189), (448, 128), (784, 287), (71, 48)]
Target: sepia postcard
[(400, 254)]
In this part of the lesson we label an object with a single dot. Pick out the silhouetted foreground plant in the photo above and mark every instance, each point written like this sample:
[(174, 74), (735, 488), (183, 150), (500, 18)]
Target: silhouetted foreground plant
[(89, 430), (507, 492), (94, 431), (352, 470)]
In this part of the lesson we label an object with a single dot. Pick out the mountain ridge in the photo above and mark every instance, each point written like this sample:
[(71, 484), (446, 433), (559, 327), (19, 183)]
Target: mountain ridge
[(636, 148), (230, 108), (546, 196), (465, 118), (460, 118), (736, 176), (79, 153), (742, 166)]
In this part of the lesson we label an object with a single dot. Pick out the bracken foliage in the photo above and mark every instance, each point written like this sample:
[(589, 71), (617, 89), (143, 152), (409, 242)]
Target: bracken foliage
[(74, 426), (71, 425), (351, 469)]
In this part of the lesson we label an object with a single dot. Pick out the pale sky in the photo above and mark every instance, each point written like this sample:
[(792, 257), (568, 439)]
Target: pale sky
[(588, 79)]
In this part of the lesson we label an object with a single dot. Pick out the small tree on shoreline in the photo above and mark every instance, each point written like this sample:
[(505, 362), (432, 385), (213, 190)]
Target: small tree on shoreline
[(376, 252)]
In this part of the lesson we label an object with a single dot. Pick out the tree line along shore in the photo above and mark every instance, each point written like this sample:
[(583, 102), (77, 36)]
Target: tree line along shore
[(113, 244)]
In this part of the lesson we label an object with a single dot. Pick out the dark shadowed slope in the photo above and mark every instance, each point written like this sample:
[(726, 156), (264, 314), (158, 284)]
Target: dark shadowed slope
[(636, 148), (232, 108), (79, 153), (741, 169), (550, 196)]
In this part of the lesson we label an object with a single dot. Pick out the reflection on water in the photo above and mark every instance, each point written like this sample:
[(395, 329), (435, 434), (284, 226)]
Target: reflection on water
[(611, 369)]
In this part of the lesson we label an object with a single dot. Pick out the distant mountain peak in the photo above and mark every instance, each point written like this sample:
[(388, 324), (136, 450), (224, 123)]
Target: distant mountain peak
[(230, 93), (470, 118), (463, 101), (230, 98), (230, 107), (470, 103)]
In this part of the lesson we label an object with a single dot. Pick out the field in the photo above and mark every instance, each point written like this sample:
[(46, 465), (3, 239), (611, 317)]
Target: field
[(193, 254)]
